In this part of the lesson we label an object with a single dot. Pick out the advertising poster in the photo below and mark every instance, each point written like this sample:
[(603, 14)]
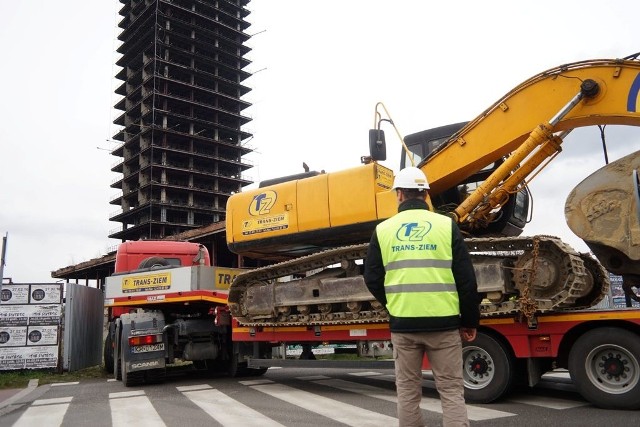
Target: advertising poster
[(13, 336), (618, 299), (12, 358), (14, 315), (45, 314), (15, 294), (40, 357), (30, 319), (42, 335), (45, 294)]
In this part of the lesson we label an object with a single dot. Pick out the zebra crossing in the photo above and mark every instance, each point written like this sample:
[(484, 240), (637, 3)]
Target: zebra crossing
[(45, 412), (342, 401), (127, 406)]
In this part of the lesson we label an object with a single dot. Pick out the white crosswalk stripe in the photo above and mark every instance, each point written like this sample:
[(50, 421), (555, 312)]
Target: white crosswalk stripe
[(223, 406), (225, 410), (330, 408), (547, 402), (475, 413), (44, 412), (127, 406), (483, 413)]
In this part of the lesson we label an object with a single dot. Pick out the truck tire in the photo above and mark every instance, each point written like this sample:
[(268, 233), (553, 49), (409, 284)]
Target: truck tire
[(238, 370), (108, 353), (117, 372), (124, 376), (210, 367), (604, 365), (256, 372), (487, 369), (154, 261), (235, 368)]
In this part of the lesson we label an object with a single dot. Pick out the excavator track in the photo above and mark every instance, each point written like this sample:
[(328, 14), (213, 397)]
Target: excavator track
[(327, 288), (254, 299), (563, 278)]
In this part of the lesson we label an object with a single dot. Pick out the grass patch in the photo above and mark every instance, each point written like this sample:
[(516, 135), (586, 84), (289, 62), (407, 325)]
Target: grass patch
[(21, 378)]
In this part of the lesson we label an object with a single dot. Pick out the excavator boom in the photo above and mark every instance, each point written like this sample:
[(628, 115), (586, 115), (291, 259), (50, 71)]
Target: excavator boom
[(504, 127)]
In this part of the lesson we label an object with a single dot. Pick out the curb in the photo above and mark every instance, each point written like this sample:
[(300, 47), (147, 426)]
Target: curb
[(33, 384)]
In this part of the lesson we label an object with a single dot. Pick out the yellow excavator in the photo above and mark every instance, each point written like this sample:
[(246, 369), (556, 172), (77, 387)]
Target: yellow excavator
[(309, 232)]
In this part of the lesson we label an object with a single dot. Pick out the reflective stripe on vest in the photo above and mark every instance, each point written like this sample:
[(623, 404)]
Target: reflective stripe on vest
[(417, 255)]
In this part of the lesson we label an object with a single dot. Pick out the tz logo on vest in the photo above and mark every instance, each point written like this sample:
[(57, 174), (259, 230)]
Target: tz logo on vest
[(262, 203), (413, 231)]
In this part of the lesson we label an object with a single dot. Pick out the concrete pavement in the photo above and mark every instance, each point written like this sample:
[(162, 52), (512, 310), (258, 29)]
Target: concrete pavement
[(11, 395)]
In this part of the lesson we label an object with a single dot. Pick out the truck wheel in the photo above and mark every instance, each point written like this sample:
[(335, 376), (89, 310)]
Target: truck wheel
[(235, 368), (117, 372), (209, 367), (153, 262), (488, 369), (108, 353), (604, 365), (200, 365), (256, 372), (240, 369), (124, 376)]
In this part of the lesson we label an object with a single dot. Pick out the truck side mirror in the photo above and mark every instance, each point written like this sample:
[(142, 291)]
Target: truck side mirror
[(377, 145)]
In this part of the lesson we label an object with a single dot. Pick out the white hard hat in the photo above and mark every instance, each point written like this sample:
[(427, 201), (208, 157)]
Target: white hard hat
[(411, 178)]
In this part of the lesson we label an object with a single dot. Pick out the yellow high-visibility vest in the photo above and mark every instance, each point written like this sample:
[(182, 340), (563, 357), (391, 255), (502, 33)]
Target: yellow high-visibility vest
[(417, 255)]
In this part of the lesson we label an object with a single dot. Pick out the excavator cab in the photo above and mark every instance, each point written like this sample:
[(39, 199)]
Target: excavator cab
[(508, 221)]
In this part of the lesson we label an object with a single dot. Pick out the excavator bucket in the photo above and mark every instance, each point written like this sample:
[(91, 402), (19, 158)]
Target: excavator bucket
[(603, 210)]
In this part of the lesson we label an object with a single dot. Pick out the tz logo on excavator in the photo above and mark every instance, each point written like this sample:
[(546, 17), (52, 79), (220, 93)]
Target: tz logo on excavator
[(262, 203), (413, 231)]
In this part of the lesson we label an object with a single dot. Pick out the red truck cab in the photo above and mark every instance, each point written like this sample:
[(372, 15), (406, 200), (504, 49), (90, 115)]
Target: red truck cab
[(141, 254)]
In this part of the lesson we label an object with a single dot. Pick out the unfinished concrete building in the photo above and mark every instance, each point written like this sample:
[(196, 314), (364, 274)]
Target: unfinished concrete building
[(182, 114)]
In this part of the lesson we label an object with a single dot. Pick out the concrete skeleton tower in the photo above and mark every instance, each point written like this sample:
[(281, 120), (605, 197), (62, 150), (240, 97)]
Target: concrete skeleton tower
[(182, 139)]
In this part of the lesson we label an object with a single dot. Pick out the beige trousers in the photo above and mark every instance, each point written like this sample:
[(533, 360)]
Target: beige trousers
[(444, 350)]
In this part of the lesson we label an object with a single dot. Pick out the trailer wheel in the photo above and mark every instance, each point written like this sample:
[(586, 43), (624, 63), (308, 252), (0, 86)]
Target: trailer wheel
[(487, 369), (604, 365)]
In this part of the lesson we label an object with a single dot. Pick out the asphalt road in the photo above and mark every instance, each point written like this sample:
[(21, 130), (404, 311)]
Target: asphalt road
[(289, 397)]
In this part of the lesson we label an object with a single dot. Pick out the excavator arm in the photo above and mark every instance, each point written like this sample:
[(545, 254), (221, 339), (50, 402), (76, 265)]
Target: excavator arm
[(525, 128)]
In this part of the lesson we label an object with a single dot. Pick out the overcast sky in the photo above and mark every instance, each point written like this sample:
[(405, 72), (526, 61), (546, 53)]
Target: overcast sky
[(320, 67)]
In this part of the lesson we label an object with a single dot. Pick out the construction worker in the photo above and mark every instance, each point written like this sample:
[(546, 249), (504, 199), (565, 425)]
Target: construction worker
[(419, 267)]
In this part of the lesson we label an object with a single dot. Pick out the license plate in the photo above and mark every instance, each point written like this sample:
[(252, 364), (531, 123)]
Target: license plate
[(147, 348)]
